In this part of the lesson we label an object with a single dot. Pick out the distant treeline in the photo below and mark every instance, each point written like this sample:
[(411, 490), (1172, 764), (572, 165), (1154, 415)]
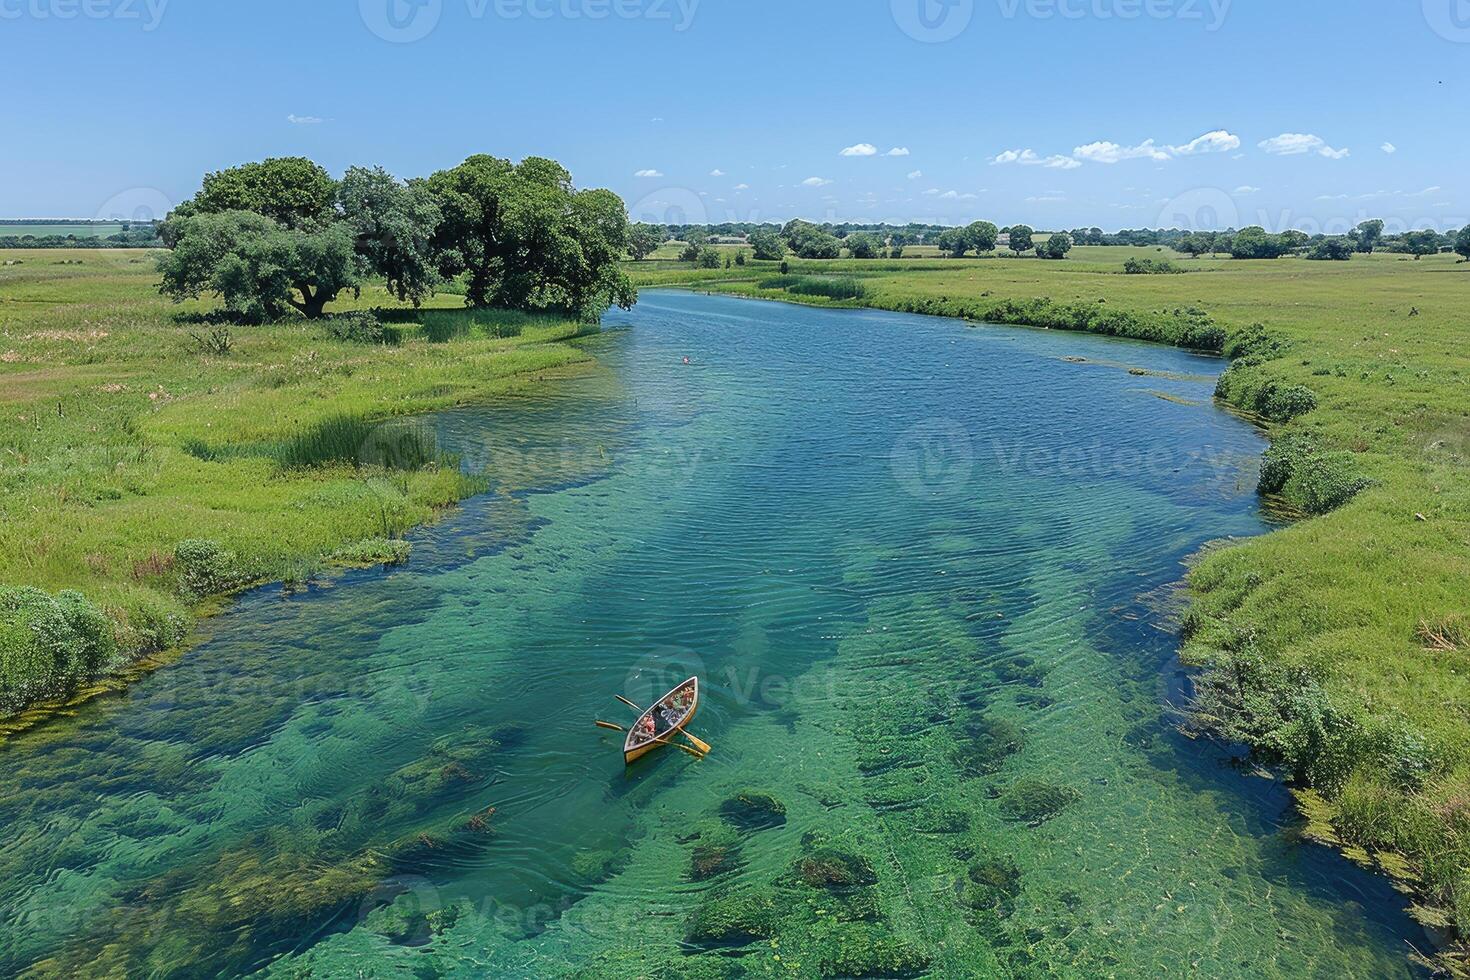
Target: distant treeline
[(133, 235), (809, 240)]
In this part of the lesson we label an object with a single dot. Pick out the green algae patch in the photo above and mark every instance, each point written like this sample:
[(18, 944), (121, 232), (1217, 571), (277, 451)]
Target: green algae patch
[(733, 920), (751, 810)]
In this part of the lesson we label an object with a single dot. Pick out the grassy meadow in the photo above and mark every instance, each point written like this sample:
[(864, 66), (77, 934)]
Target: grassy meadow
[(149, 460), (1339, 646)]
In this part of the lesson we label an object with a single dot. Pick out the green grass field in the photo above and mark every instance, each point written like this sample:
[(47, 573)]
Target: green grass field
[(122, 433), (1339, 646)]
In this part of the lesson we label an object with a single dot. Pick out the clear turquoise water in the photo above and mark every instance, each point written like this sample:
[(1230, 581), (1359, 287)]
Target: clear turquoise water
[(924, 570)]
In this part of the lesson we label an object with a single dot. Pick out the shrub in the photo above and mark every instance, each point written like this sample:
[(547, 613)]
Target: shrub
[(205, 569), (1325, 482), (1151, 267), (49, 645)]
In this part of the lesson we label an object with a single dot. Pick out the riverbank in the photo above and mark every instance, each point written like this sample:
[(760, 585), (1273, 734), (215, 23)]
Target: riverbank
[(1334, 647), (151, 464)]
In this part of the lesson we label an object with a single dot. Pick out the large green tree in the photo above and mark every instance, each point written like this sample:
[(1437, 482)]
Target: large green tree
[(1055, 247), (863, 245), (644, 240), (1368, 235), (768, 246), (292, 191), (1462, 243), (982, 236), (953, 242), (529, 240), (282, 234), (1022, 238), (258, 267), (393, 226)]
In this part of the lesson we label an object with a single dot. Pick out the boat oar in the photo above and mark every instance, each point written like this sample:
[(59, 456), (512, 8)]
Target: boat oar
[(657, 741), (698, 744)]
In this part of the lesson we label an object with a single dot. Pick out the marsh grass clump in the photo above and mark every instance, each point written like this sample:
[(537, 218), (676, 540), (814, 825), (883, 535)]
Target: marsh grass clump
[(373, 552), (363, 327), (732, 919), (753, 811), (356, 440), (1033, 802), (829, 287), (448, 326)]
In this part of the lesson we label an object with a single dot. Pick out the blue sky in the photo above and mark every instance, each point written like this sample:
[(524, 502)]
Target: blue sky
[(1117, 113)]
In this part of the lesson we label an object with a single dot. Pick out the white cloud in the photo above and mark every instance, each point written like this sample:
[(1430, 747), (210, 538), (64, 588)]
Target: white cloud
[(657, 119), (957, 196), (1246, 189), (915, 174), (1428, 191), (1046, 199), (932, 192), (898, 151), (816, 182), (1217, 141), (1389, 148), (648, 173), (1105, 152), (1296, 144), (861, 150), (742, 187), (296, 120), (717, 172), (1029, 158)]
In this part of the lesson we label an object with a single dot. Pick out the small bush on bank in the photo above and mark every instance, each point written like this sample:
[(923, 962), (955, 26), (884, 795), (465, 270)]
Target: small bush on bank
[(48, 645), (205, 569)]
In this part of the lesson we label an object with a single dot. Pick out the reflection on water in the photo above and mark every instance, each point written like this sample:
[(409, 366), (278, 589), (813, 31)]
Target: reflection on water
[(918, 566)]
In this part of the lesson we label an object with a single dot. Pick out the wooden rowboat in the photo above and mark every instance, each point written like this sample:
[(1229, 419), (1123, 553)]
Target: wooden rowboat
[(663, 722)]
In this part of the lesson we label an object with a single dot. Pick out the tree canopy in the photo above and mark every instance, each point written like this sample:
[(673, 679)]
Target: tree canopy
[(1021, 238), (644, 240), (768, 245), (1055, 247), (1462, 243)]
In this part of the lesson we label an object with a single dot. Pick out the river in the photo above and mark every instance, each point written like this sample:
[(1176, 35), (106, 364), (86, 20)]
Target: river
[(927, 572)]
